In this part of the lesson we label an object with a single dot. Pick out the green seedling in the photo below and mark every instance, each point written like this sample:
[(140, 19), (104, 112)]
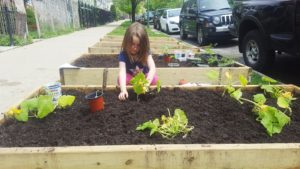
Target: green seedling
[(168, 127), (270, 117), (141, 85), (39, 107)]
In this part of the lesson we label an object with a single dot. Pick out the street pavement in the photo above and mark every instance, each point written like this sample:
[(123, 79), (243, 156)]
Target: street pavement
[(25, 69)]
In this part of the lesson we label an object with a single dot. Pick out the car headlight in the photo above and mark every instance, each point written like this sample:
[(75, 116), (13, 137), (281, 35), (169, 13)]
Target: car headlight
[(216, 20), (172, 22)]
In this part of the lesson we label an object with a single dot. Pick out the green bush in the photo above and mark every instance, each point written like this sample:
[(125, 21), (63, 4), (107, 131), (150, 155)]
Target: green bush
[(18, 41), (30, 19)]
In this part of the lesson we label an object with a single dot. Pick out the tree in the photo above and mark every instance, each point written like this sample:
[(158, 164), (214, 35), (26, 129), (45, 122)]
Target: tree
[(128, 6)]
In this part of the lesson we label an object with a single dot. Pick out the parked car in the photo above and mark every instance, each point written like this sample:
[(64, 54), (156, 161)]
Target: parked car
[(206, 19), (138, 18), (156, 17), (144, 17), (169, 21), (264, 27)]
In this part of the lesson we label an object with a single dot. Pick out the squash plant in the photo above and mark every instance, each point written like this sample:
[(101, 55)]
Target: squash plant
[(39, 107), (168, 127), (141, 85), (272, 118)]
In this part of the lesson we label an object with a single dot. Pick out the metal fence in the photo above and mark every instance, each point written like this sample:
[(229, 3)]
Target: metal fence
[(8, 20), (91, 16)]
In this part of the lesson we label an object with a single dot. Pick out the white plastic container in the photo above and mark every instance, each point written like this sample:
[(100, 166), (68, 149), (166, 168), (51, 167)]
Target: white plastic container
[(53, 89)]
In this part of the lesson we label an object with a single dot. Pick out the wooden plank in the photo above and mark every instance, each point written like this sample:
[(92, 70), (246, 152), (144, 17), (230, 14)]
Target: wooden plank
[(112, 37), (168, 76), (198, 156)]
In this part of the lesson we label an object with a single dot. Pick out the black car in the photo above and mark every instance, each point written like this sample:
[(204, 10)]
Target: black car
[(157, 15), (266, 26), (206, 19)]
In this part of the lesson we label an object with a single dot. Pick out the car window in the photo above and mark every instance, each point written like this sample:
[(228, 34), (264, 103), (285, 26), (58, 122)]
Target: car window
[(207, 5), (173, 13), (164, 15)]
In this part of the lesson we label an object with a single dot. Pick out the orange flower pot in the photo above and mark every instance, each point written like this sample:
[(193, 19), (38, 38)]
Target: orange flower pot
[(96, 101)]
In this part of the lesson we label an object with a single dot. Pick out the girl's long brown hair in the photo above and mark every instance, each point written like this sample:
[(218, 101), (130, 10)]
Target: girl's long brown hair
[(138, 30)]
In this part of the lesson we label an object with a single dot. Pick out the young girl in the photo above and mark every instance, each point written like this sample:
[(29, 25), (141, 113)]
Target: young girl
[(135, 57)]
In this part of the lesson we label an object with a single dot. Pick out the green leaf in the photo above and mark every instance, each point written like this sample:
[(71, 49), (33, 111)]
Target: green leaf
[(139, 83), (243, 80), (260, 99), (180, 116), (45, 106), (158, 86), (268, 79), (283, 102), (213, 75), (65, 100), (282, 118), (22, 116), (267, 88), (237, 94)]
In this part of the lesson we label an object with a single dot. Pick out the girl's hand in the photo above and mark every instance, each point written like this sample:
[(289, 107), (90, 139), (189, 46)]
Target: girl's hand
[(123, 95)]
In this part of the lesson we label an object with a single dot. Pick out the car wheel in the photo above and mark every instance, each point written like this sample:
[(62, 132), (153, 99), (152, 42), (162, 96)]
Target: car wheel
[(167, 29), (256, 53), (183, 35), (200, 37)]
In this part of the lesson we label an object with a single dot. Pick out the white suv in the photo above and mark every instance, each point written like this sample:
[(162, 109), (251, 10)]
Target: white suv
[(169, 21)]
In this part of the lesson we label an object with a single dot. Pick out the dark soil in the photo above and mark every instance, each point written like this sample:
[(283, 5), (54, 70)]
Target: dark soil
[(94, 61), (216, 119)]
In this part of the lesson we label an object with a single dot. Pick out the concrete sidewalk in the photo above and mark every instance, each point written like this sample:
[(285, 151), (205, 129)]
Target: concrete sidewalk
[(24, 69)]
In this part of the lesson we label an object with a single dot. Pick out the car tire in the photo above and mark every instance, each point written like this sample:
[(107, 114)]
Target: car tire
[(183, 35), (159, 27), (201, 39), (256, 53), (167, 29)]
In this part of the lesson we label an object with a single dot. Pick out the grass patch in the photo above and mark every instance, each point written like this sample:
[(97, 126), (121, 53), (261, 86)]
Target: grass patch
[(120, 31), (18, 41), (256, 79)]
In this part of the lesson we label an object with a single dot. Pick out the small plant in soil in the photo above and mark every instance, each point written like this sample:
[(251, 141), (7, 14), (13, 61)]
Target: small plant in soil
[(284, 98), (141, 86), (39, 107), (272, 118), (215, 60), (168, 127)]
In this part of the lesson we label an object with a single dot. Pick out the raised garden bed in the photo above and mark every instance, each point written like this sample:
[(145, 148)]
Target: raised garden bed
[(96, 49), (226, 135), (120, 38), (88, 70)]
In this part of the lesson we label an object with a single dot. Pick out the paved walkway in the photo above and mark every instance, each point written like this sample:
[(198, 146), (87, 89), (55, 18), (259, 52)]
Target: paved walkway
[(24, 69)]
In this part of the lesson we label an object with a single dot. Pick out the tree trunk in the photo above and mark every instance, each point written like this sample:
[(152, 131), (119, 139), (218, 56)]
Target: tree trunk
[(133, 7)]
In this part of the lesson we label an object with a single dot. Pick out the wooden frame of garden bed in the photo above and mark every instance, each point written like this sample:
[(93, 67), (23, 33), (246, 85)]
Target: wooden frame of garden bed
[(166, 156), (72, 75), (120, 38)]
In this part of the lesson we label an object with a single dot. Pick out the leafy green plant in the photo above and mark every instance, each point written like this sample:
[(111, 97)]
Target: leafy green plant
[(168, 127), (39, 107), (272, 118), (141, 85), (284, 98)]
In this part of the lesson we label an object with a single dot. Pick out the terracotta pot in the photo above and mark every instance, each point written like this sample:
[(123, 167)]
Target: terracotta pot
[(96, 101)]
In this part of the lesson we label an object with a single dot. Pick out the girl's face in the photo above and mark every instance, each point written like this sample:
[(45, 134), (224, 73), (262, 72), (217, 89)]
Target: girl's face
[(135, 46)]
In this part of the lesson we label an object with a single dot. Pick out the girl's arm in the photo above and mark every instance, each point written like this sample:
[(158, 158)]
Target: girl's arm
[(152, 68), (122, 77)]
